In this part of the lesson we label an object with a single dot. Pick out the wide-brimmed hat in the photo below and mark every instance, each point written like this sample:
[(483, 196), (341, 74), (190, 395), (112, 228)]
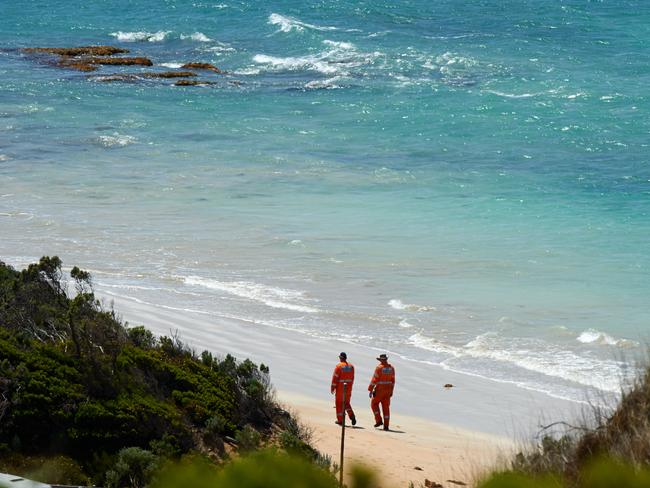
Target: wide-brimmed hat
[(382, 357)]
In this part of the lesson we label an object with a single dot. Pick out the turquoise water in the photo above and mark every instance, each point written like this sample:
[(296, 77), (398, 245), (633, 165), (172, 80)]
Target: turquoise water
[(463, 184)]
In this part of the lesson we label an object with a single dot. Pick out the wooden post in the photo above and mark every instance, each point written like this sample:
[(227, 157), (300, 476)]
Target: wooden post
[(345, 387)]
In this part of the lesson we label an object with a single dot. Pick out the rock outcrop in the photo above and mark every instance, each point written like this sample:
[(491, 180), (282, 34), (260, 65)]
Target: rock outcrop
[(78, 51), (206, 66), (193, 83)]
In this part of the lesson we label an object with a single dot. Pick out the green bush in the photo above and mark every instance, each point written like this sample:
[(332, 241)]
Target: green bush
[(268, 469), (134, 468), (248, 439), (76, 382), (602, 473)]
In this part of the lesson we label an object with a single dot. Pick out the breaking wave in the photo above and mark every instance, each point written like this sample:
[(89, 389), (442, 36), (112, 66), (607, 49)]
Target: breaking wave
[(268, 295), (144, 36), (338, 59), (140, 36), (409, 307), (592, 336), (288, 24), (196, 36)]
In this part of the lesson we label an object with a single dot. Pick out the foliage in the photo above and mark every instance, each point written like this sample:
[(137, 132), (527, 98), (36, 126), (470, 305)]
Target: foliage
[(601, 473), (248, 439), (622, 433), (77, 382), (134, 468), (57, 469), (269, 469)]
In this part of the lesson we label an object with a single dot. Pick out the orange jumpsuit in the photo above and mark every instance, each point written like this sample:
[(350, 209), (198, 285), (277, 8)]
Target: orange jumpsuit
[(383, 383), (343, 375)]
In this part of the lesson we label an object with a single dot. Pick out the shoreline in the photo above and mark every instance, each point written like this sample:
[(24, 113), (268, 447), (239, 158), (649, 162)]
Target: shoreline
[(302, 365)]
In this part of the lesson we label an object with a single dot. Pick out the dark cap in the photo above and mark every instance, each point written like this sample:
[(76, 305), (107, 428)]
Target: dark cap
[(343, 355), (382, 357)]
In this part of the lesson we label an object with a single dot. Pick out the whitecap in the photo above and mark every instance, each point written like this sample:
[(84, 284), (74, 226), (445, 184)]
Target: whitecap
[(268, 295), (454, 59), (221, 47), (293, 64), (116, 140), (4, 157), (430, 344), (172, 65), (287, 24), (405, 324), (338, 59), (541, 357), (513, 95), (400, 305), (592, 336), (327, 84), (247, 72), (342, 45), (196, 36), (140, 36)]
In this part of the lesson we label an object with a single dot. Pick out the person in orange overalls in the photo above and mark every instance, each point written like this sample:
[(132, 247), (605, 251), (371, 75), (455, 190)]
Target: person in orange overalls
[(381, 389), (343, 375)]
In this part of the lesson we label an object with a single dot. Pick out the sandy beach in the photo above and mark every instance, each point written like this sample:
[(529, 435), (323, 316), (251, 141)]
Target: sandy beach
[(413, 451), (451, 433)]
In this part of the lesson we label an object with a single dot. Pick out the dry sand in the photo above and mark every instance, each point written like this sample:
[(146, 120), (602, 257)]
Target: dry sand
[(442, 452)]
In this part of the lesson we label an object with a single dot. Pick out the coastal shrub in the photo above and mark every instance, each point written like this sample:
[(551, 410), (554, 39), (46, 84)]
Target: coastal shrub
[(55, 469), (248, 439), (622, 433), (600, 473), (142, 337), (134, 468), (268, 468), (75, 382)]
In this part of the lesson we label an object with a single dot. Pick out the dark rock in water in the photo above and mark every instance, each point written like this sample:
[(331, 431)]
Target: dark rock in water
[(79, 66), (113, 77), (78, 51), (193, 83), (90, 64), (138, 61), (207, 66), (130, 77), (168, 74)]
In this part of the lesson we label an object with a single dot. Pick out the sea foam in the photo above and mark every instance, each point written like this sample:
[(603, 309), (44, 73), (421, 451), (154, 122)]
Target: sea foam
[(196, 36), (271, 296), (409, 307), (337, 59), (287, 24), (140, 36), (592, 336)]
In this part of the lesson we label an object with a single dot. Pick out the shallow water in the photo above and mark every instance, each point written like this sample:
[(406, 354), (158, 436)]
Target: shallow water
[(465, 185)]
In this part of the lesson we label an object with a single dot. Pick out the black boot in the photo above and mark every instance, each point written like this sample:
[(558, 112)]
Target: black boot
[(385, 427), (379, 424), (353, 419)]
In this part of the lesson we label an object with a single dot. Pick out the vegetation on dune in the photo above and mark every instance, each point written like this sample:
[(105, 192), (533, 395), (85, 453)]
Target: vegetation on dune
[(84, 398), (610, 448)]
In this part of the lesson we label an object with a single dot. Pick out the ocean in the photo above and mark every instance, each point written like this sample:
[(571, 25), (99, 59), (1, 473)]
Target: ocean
[(464, 184)]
